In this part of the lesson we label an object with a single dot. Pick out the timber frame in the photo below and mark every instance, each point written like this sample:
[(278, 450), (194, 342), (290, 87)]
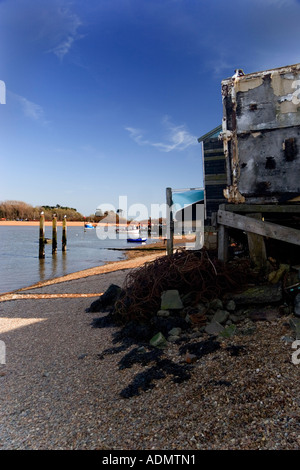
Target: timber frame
[(250, 219)]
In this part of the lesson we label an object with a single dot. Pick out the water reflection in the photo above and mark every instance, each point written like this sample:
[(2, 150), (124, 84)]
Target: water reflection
[(42, 269), (20, 265), (54, 265)]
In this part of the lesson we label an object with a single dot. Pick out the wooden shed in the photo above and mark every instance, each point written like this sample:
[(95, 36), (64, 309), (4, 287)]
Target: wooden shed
[(214, 171)]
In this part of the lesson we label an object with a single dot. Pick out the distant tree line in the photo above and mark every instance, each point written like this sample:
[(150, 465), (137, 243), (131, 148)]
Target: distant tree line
[(19, 210)]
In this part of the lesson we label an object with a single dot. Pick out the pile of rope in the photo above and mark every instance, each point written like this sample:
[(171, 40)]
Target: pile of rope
[(190, 272)]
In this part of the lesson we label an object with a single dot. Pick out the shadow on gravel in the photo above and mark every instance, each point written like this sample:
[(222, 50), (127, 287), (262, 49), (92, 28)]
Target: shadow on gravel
[(145, 355)]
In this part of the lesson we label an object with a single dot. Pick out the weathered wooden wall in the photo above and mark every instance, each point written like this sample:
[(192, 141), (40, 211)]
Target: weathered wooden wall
[(261, 135), (214, 171)]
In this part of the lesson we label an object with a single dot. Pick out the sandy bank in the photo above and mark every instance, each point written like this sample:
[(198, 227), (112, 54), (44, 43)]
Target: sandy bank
[(36, 223)]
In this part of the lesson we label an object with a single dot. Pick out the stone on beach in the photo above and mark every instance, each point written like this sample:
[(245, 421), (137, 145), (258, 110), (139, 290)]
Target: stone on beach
[(170, 300), (108, 299)]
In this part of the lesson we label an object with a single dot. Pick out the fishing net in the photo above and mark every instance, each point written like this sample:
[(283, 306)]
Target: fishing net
[(190, 272)]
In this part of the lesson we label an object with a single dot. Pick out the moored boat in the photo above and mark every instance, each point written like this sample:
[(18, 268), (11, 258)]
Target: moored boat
[(134, 235)]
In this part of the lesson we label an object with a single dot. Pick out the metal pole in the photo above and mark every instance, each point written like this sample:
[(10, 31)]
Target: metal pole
[(42, 236), (170, 222)]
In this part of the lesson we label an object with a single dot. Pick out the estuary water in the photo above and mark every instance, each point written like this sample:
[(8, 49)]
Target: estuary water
[(20, 265)]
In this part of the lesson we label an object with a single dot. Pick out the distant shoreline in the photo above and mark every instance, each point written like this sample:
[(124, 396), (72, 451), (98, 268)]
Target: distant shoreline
[(48, 223)]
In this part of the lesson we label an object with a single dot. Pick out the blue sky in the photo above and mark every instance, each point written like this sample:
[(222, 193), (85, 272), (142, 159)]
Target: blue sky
[(106, 98)]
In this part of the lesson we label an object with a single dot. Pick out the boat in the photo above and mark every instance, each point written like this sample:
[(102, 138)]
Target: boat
[(88, 225), (139, 240), (134, 235)]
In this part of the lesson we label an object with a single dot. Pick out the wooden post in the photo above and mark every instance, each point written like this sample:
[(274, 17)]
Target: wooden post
[(42, 236), (256, 245), (223, 243), (64, 234), (170, 222), (54, 234), (223, 240)]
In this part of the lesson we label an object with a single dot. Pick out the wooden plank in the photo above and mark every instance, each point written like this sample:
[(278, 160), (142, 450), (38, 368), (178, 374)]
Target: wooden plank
[(214, 158), (264, 208), (266, 229)]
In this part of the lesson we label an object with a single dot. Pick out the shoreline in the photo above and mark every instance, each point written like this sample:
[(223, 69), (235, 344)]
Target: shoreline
[(134, 258), (36, 223)]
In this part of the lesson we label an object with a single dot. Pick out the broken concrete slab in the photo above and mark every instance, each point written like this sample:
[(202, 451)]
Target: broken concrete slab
[(221, 316), (265, 294), (170, 300), (214, 328), (158, 340), (163, 313), (175, 331), (228, 331), (266, 314)]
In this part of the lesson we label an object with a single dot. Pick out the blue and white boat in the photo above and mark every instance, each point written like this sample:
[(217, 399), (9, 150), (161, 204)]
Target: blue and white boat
[(134, 235)]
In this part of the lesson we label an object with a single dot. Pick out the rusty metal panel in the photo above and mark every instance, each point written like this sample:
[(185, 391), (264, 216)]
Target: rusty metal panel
[(261, 135)]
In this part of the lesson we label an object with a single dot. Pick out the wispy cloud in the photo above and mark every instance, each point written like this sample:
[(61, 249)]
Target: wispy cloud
[(177, 137), (66, 33), (30, 109), (40, 26)]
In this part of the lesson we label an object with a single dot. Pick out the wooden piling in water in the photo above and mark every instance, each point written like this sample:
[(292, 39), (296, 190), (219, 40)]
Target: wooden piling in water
[(64, 234), (54, 234), (42, 236)]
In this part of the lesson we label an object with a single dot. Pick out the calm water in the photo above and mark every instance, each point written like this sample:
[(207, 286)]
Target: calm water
[(20, 265)]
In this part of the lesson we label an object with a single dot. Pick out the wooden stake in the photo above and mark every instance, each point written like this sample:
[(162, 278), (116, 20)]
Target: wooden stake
[(54, 234), (64, 234), (42, 236), (170, 222)]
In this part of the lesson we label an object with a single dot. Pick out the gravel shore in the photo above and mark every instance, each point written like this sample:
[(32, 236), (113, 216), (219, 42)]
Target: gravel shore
[(62, 386)]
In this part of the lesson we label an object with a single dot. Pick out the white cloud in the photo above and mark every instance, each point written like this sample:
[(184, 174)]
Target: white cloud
[(30, 109), (40, 26), (66, 32), (177, 137)]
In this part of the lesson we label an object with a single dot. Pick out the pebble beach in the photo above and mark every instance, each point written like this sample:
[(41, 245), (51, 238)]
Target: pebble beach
[(62, 387)]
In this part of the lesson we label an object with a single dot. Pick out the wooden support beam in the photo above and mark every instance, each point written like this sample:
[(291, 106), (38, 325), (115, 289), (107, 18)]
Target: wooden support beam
[(266, 229), (170, 222), (256, 245), (264, 208), (223, 243)]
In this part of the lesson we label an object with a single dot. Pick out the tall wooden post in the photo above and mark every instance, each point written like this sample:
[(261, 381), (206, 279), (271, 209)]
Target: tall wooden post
[(64, 234), (42, 236), (170, 222), (256, 245), (54, 234), (223, 240)]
